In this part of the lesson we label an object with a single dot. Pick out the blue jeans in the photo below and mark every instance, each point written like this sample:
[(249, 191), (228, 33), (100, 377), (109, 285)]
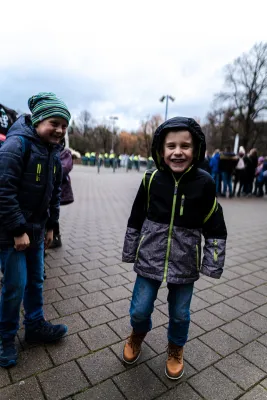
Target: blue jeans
[(23, 280), (216, 178), (227, 182), (179, 299)]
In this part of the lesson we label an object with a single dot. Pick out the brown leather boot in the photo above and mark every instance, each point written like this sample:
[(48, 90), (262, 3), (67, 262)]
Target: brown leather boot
[(175, 363), (132, 348)]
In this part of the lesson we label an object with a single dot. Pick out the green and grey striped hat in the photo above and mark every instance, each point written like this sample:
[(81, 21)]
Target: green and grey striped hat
[(46, 105)]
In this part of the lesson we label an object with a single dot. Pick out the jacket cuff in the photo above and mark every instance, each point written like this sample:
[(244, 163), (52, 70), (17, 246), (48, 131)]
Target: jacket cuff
[(209, 271), (50, 225), (19, 231)]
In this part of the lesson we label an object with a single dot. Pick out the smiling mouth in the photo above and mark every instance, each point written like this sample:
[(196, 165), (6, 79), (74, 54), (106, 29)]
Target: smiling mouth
[(177, 161)]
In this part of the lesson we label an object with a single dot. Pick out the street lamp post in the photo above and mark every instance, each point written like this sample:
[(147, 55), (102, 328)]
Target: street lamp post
[(113, 120), (167, 97)]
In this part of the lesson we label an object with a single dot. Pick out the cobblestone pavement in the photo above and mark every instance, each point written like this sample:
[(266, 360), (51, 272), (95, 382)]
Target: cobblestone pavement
[(89, 289)]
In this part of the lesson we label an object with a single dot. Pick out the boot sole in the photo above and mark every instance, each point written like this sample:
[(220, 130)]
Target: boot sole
[(174, 378), (8, 364), (131, 362)]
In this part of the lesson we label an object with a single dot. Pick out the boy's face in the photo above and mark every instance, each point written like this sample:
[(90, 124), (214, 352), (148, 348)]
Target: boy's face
[(52, 130), (178, 150)]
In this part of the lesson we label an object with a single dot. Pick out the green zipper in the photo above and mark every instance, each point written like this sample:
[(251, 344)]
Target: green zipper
[(197, 257), (137, 251), (182, 205), (171, 224)]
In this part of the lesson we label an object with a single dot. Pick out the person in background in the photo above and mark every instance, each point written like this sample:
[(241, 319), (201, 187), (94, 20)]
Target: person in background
[(227, 164), (205, 164), (258, 191), (66, 190), (214, 169), (240, 172), (251, 163)]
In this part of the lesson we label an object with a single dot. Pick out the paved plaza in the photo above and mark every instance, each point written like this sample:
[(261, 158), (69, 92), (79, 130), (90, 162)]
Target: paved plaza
[(89, 288)]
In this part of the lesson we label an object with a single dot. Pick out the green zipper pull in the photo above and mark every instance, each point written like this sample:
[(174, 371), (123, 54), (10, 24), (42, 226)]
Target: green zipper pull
[(182, 205)]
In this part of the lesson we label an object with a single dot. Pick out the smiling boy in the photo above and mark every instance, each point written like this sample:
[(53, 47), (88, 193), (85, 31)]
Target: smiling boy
[(175, 204), (30, 180)]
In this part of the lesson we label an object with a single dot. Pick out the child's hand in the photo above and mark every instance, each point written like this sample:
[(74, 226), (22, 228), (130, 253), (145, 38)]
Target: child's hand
[(48, 239), (21, 242)]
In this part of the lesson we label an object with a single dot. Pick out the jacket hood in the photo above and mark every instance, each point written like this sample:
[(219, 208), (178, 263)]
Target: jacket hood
[(177, 124)]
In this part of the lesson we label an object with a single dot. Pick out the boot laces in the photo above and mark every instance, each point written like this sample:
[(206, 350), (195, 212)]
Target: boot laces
[(175, 352)]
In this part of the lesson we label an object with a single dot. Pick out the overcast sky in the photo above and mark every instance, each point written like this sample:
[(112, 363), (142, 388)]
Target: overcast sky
[(119, 57)]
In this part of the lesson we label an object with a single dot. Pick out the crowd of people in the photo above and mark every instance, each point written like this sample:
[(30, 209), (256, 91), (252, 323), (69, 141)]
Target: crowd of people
[(237, 174)]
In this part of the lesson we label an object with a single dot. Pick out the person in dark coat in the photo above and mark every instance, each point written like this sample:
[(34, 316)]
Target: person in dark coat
[(251, 163), (228, 161), (66, 190), (30, 181), (174, 205)]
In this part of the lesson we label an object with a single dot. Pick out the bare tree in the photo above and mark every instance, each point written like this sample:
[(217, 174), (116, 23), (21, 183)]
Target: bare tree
[(148, 127), (246, 92)]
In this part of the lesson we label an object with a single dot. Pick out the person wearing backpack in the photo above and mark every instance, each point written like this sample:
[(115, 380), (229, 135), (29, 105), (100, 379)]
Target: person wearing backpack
[(30, 181), (175, 204)]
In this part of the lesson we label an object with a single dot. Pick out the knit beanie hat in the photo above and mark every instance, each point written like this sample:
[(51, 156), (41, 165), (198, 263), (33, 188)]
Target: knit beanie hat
[(46, 105)]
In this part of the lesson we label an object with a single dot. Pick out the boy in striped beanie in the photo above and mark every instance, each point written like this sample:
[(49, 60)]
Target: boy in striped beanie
[(30, 188)]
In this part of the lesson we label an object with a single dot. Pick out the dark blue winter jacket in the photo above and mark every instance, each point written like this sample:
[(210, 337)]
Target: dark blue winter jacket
[(30, 180), (214, 163)]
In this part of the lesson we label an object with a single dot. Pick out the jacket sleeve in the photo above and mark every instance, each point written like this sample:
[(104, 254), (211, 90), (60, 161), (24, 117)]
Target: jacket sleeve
[(66, 162), (54, 207), (11, 170), (135, 223), (215, 234)]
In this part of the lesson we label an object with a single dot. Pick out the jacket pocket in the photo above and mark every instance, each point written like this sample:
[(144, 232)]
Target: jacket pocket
[(138, 248), (182, 205)]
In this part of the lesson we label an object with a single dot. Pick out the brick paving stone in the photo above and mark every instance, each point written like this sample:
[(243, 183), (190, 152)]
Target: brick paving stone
[(240, 331), (264, 383), (94, 264), (113, 270), (181, 392), (194, 331), (117, 293), (240, 270), (105, 391), (77, 259), (72, 291), (221, 342), (50, 312), (230, 274), (131, 276), (258, 393), (212, 384), (256, 353), (262, 310), (240, 371), (70, 348), (4, 378), (25, 390), (157, 364), (63, 381), (54, 272), (61, 262), (99, 337), (110, 261), (240, 304), (226, 290), (139, 383), (97, 316), (94, 299), (120, 308), (69, 306), (73, 278), (199, 355), (115, 280), (163, 308), (223, 311), (261, 274), (53, 283), (27, 364), (158, 318), (94, 256), (255, 320), (253, 280), (206, 320), (130, 287), (210, 296), (101, 365), (72, 269), (198, 304), (263, 339), (157, 339), (202, 284), (254, 297), (262, 289), (94, 285), (121, 326), (74, 322), (94, 274)]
